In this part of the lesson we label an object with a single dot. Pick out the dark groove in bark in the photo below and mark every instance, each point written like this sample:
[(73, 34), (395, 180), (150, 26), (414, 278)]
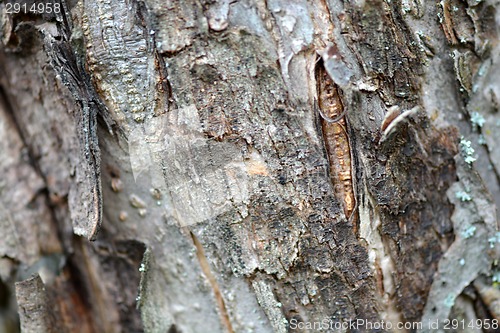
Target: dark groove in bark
[(205, 267), (334, 130)]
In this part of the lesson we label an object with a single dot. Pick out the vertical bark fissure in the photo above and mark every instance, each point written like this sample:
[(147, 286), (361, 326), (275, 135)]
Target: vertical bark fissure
[(205, 267), (334, 130), (383, 264)]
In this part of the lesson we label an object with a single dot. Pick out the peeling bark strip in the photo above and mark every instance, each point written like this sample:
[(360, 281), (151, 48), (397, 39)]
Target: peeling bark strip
[(54, 31), (68, 64), (333, 124)]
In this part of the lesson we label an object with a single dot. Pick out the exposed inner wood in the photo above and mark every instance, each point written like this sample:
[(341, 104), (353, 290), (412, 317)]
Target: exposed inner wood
[(333, 124)]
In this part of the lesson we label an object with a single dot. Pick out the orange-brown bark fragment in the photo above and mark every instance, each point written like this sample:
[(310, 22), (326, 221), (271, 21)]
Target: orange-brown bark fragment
[(336, 141)]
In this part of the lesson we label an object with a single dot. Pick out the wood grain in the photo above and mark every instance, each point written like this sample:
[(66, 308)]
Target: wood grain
[(333, 124)]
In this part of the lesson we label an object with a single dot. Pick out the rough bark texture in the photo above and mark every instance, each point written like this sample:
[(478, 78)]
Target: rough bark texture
[(246, 166)]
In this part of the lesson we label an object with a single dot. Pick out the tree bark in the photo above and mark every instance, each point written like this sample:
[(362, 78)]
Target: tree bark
[(249, 166)]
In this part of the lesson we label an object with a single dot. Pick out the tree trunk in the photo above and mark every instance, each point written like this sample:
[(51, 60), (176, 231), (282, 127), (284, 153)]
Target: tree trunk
[(267, 166)]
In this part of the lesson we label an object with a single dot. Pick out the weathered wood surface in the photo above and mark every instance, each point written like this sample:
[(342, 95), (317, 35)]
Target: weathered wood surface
[(217, 154)]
